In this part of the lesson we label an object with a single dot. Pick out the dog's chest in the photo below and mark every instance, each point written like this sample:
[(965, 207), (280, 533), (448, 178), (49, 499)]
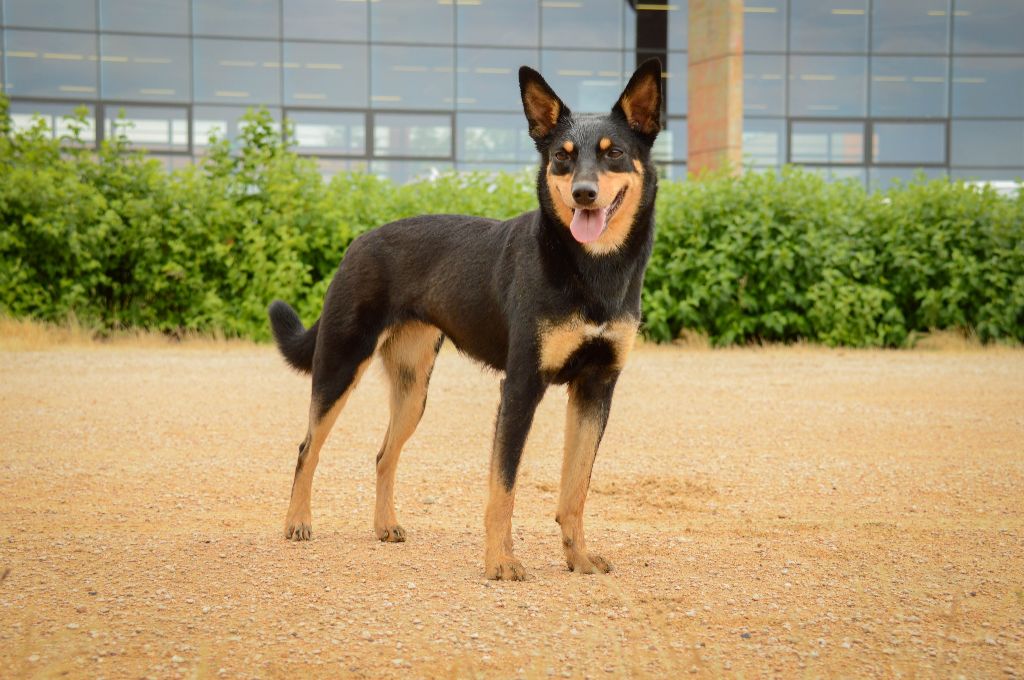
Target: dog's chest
[(559, 341)]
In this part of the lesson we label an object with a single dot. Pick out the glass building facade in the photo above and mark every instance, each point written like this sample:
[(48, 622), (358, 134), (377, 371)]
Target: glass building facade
[(872, 89)]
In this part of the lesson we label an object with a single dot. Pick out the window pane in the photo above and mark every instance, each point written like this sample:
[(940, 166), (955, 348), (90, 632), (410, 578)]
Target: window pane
[(988, 86), (412, 21), (223, 121), (398, 134), (329, 133), (764, 85), (54, 116), (909, 86), (910, 26), (329, 167), (827, 86), (145, 68), (51, 14), (671, 142), (243, 71), (828, 142), (988, 143), (1008, 178), (674, 84), (582, 24), (403, 172), (325, 20), (493, 137), (149, 127), (51, 64), (488, 79), (144, 16), (884, 178), (585, 81), (249, 18), (988, 26), (840, 173), (498, 22), (412, 77), (764, 25), (828, 26), (317, 74), (511, 168), (678, 24), (764, 141), (908, 143)]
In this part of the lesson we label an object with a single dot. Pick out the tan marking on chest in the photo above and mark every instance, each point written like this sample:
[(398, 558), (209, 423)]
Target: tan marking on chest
[(559, 339)]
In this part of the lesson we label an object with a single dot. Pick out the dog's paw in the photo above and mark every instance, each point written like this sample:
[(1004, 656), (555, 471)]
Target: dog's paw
[(391, 534), (506, 569), (589, 564), (298, 531)]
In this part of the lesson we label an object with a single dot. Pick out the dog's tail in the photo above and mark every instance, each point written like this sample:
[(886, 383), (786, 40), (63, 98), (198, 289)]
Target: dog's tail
[(293, 340)]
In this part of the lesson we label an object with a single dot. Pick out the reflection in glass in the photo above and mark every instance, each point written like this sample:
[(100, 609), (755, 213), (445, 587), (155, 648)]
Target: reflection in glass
[(45, 64), (828, 26), (678, 22), (988, 86), (243, 71), (50, 14), (910, 26), (764, 25), (675, 84), (412, 77), (404, 172), (1008, 179), (908, 143), (498, 22), (149, 127), (54, 118), (221, 121), (143, 68), (249, 18), (497, 167), (144, 16), (987, 143), (489, 78), (319, 74), (884, 178), (827, 86), (409, 134), (840, 173), (671, 144), (582, 24), (328, 132), (329, 167), (764, 141), (585, 81), (909, 86), (827, 142), (412, 21), (988, 26), (493, 137), (764, 85), (325, 20)]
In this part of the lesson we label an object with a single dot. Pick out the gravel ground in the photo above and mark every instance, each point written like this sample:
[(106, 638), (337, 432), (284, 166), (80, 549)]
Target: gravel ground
[(782, 512)]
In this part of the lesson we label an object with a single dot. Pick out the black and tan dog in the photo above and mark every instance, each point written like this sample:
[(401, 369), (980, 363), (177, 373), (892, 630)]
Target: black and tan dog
[(551, 296)]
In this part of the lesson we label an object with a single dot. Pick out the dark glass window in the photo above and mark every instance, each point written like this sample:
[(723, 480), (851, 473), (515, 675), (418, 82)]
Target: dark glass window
[(51, 14), (54, 117), (828, 26), (884, 178), (489, 78), (674, 84), (329, 132), (991, 143), (412, 21), (988, 26), (764, 25), (585, 81), (581, 24), (242, 71), (498, 22), (145, 68), (837, 142), (325, 20), (249, 18), (909, 86), (827, 86), (157, 128), (908, 143), (412, 77), (910, 26), (764, 85), (319, 74), (988, 86), (493, 137), (144, 16), (412, 134), (764, 141), (221, 121), (41, 64)]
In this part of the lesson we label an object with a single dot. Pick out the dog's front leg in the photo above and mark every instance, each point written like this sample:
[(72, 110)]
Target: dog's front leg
[(590, 400), (520, 394)]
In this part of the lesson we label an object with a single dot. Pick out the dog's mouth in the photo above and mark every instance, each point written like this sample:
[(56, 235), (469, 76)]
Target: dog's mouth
[(589, 223)]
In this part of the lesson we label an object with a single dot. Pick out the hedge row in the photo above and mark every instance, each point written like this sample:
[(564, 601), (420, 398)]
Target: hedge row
[(113, 238)]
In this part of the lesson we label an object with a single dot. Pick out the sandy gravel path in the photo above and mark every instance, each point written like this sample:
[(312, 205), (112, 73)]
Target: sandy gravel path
[(786, 512)]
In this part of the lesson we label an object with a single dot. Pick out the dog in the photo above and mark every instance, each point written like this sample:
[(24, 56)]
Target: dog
[(549, 297)]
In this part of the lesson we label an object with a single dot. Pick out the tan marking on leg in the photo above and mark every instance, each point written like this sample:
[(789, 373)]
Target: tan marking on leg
[(408, 355), (605, 144), (499, 562), (298, 522), (560, 187), (568, 146), (609, 185)]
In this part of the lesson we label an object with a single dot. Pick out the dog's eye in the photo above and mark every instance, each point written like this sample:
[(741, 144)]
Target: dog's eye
[(614, 153), (561, 156)]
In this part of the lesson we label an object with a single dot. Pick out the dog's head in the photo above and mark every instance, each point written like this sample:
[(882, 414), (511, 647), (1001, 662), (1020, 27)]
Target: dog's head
[(596, 174)]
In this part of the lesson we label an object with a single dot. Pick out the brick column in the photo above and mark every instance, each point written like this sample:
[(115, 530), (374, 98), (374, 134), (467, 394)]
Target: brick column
[(715, 85)]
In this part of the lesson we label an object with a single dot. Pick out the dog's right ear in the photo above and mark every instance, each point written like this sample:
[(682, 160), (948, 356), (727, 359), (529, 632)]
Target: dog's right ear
[(542, 106)]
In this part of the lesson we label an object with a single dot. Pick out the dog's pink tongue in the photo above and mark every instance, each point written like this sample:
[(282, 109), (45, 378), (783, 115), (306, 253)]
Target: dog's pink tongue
[(587, 225)]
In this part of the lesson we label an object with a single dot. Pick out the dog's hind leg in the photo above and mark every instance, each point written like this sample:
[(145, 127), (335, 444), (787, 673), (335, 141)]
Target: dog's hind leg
[(408, 354)]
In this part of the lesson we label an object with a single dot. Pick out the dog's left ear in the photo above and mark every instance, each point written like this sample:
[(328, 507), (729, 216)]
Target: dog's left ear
[(640, 102)]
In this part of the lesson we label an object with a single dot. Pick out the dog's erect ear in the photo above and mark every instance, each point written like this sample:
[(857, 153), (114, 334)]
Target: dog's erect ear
[(542, 106), (640, 102)]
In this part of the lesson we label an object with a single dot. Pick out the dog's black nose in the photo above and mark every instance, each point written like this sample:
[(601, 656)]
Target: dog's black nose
[(584, 193)]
